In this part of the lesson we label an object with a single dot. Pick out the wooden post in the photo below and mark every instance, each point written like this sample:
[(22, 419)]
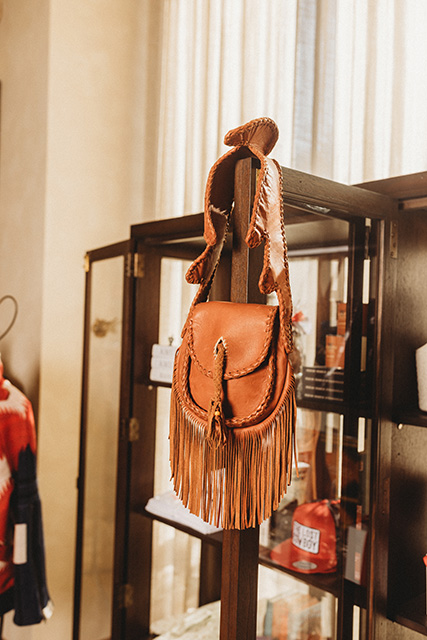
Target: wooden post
[(239, 583)]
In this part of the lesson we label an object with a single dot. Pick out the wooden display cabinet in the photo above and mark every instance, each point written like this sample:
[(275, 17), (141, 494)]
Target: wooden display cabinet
[(402, 511), (347, 245)]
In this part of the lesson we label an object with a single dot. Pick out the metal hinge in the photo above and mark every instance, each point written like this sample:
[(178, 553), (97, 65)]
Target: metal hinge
[(135, 265), (139, 265), (87, 263), (393, 239), (130, 429), (133, 432), (125, 596), (129, 265)]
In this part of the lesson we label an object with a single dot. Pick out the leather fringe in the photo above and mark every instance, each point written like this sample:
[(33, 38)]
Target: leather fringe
[(240, 483)]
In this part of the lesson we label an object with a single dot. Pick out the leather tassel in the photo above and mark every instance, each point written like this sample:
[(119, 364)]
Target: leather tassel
[(216, 428), (216, 431)]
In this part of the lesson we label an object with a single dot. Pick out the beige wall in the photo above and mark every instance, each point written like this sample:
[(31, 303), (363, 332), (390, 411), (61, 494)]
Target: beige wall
[(71, 180), (23, 130)]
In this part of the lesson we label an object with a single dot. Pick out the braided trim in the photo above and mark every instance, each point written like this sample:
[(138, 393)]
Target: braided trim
[(285, 313)]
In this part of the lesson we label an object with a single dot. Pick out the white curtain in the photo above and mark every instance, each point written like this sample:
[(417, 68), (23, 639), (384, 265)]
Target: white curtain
[(345, 80)]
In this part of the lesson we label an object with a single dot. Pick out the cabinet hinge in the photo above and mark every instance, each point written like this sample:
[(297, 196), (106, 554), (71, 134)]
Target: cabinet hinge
[(130, 429), (139, 265), (86, 263), (133, 430), (125, 596), (393, 239), (129, 262), (135, 265), (367, 241)]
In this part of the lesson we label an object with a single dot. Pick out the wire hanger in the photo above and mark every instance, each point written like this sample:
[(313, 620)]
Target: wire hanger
[(15, 313)]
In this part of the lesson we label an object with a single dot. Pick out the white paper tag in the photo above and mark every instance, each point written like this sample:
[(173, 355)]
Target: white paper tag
[(162, 361), (20, 544), (305, 538)]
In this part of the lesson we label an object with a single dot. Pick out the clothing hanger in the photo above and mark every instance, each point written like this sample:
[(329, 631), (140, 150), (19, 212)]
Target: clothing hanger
[(15, 313)]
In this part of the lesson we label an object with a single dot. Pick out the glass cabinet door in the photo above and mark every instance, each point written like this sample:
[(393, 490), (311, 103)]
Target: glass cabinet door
[(104, 407)]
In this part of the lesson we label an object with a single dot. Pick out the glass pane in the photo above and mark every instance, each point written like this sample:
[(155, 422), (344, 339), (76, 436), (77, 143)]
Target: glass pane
[(176, 555), (318, 266), (302, 536), (291, 608), (175, 300), (101, 448)]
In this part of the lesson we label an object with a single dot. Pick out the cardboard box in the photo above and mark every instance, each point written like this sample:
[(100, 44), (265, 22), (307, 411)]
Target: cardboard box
[(335, 351)]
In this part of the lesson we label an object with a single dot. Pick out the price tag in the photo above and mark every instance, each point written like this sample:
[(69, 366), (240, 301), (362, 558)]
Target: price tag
[(162, 360)]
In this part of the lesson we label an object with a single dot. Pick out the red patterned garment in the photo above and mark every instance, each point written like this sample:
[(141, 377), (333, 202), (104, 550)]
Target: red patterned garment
[(22, 563)]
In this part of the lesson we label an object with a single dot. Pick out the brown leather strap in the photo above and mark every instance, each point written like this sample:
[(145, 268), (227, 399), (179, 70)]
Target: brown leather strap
[(255, 138)]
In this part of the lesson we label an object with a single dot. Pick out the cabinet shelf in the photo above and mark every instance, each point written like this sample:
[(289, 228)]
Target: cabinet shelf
[(410, 615), (411, 417), (326, 582)]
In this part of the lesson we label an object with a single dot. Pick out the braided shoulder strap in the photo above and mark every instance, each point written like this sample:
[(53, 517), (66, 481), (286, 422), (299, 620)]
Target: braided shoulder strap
[(255, 138)]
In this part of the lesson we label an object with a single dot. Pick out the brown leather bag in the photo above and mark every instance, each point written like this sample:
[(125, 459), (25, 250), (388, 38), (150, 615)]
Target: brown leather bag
[(232, 421)]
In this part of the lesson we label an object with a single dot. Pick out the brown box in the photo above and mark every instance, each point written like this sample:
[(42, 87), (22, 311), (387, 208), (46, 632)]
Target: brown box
[(335, 351)]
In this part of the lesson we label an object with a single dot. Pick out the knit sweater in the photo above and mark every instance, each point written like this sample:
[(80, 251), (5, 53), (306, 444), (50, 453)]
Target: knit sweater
[(22, 559)]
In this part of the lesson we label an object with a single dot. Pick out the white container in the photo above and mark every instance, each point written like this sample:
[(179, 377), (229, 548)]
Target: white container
[(421, 362), (297, 490)]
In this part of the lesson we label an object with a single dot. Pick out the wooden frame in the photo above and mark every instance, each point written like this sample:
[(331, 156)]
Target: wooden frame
[(125, 250)]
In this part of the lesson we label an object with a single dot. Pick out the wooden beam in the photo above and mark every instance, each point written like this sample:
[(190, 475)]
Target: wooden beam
[(239, 583)]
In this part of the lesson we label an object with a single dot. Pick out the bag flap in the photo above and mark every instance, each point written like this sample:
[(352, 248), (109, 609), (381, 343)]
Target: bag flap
[(247, 330)]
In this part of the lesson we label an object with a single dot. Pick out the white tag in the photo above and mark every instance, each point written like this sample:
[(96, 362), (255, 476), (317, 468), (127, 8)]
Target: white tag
[(163, 351), (48, 610), (305, 538), (20, 544), (162, 361)]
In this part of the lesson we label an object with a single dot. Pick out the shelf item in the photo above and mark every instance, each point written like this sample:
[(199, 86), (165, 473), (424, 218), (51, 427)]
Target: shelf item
[(169, 507), (209, 538), (199, 624), (323, 383), (312, 546), (295, 615)]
